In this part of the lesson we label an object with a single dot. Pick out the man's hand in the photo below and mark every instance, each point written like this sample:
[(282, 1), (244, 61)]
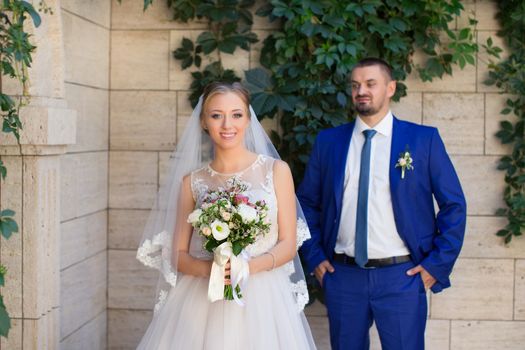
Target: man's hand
[(427, 278), (321, 269)]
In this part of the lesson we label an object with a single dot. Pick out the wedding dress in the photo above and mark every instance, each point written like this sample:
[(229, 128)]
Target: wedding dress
[(272, 317)]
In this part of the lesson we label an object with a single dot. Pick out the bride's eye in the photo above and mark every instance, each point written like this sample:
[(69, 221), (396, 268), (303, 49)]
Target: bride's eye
[(237, 115), (215, 116)]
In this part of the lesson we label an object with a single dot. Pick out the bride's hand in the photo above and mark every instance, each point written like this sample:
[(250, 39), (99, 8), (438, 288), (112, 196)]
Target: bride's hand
[(227, 276)]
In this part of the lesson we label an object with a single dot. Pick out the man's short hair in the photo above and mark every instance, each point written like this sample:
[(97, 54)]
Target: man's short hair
[(374, 61)]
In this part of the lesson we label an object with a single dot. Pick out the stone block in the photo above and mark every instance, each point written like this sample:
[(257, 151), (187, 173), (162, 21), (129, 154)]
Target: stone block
[(98, 11), (164, 164), (481, 289), (519, 293), (92, 335), (131, 15), (409, 108), (92, 107), (270, 125), (468, 12), (481, 240), (461, 80), (82, 238), (437, 335), (11, 249), (139, 60), (126, 328), (82, 293), (482, 183), (460, 120), (86, 47), (484, 59), (131, 285), (494, 104), (40, 236), (180, 79), (41, 333), (84, 183), (184, 111), (486, 11), (315, 309), (132, 179), (487, 335), (46, 74), (43, 126), (144, 120), (126, 227), (184, 107), (239, 61), (320, 331)]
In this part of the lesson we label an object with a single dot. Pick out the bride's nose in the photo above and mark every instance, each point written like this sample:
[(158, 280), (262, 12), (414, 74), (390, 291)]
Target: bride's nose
[(226, 122)]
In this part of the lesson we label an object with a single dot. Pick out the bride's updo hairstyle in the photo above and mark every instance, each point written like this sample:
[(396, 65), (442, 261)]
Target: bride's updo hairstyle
[(219, 87)]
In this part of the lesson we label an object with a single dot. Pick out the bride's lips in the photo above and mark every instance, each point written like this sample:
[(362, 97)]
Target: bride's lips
[(228, 135)]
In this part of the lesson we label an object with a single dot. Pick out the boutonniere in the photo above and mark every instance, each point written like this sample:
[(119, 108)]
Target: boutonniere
[(404, 162)]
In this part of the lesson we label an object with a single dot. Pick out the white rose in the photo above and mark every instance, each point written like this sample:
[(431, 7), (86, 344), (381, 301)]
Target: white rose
[(220, 230), (206, 231), (402, 161), (247, 213), (194, 216)]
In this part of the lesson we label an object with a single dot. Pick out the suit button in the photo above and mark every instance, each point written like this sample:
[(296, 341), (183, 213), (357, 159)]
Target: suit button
[(335, 221)]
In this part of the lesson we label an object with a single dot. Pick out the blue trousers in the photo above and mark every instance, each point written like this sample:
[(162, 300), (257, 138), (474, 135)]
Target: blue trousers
[(396, 302)]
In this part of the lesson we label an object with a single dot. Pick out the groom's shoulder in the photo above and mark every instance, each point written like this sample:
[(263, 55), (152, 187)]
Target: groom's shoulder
[(422, 130), (335, 132)]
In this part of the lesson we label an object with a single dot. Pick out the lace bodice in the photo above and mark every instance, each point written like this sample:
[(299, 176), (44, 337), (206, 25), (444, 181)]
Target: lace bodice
[(259, 180)]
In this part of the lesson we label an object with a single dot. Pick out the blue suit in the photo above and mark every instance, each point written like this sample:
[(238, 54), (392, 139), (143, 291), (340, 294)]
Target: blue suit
[(434, 241)]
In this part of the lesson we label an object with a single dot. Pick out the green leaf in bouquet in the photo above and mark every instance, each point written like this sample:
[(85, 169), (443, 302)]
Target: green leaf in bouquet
[(211, 244), (237, 247)]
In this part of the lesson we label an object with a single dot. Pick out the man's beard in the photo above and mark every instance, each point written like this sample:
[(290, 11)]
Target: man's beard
[(365, 110)]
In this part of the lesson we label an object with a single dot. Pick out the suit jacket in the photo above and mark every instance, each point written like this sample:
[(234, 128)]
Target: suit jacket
[(434, 240)]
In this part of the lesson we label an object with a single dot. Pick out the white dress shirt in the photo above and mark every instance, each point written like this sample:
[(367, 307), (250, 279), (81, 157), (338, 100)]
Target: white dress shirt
[(383, 239)]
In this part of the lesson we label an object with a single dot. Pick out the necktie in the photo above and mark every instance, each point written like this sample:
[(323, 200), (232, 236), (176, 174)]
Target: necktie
[(361, 227)]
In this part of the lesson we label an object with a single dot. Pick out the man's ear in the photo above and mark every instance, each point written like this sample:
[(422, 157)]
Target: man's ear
[(391, 88)]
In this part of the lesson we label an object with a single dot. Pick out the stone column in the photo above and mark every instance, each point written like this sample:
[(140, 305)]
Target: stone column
[(32, 189)]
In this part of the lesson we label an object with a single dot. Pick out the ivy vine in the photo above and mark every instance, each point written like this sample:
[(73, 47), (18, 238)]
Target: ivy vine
[(306, 60), (509, 76), (15, 59)]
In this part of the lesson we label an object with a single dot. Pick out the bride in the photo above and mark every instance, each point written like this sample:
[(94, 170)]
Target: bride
[(225, 141)]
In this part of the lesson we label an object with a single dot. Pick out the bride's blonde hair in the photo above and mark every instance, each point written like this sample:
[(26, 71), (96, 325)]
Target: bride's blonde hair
[(219, 87)]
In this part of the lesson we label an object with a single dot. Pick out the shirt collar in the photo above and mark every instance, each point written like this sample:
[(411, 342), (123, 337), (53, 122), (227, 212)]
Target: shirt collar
[(384, 127)]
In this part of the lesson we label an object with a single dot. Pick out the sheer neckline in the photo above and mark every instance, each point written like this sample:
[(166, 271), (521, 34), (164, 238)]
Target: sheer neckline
[(240, 172)]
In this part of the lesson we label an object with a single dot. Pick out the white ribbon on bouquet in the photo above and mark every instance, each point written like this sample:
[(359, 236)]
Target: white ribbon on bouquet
[(239, 272)]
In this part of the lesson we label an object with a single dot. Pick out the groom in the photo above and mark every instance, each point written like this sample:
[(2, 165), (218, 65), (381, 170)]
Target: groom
[(377, 244)]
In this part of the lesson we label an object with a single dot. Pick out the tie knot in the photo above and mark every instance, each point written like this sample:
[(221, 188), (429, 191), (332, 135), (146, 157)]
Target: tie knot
[(369, 133)]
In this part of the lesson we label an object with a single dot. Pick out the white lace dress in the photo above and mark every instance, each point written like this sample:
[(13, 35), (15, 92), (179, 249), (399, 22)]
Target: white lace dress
[(270, 319)]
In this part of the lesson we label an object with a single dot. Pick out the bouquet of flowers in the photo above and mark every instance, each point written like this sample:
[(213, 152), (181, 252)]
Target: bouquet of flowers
[(229, 222)]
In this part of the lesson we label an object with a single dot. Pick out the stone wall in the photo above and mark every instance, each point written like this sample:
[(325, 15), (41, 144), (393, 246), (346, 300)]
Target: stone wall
[(485, 308), (84, 180), (74, 282)]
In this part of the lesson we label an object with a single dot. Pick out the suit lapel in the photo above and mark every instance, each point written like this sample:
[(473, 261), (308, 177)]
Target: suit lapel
[(397, 185), (339, 159)]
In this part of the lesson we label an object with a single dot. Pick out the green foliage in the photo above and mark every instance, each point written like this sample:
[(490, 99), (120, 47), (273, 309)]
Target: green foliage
[(15, 59), (509, 76), (229, 28), (308, 60)]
